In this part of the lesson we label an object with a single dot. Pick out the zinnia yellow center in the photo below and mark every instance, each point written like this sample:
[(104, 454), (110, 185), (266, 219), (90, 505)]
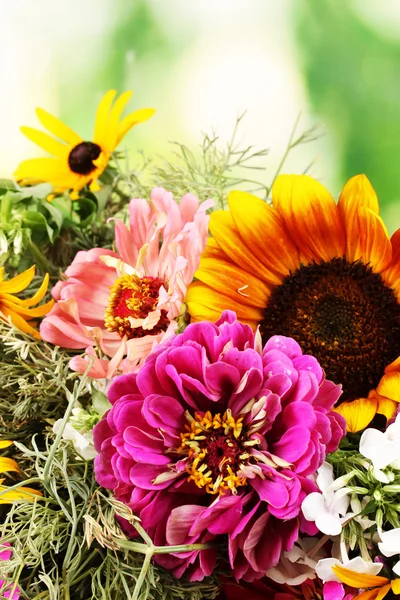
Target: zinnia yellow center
[(217, 449), (133, 298), (343, 314)]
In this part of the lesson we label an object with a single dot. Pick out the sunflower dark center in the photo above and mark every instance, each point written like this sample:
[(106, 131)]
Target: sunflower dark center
[(343, 314), (81, 157)]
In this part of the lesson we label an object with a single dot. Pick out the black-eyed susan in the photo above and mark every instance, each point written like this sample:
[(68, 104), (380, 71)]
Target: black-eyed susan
[(20, 311), (8, 465), (326, 274), (76, 162)]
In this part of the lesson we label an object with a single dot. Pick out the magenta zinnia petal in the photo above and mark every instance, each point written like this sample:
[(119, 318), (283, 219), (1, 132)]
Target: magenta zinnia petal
[(219, 438)]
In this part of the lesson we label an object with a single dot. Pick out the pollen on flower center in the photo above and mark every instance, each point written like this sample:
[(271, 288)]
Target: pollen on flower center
[(216, 448), (343, 314), (81, 157), (133, 298)]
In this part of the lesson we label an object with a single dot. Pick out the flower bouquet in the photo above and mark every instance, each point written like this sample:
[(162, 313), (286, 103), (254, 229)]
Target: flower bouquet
[(199, 385)]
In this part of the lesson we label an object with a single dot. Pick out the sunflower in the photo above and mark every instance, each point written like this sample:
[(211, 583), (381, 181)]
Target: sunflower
[(20, 311), (376, 587), (77, 163), (323, 273)]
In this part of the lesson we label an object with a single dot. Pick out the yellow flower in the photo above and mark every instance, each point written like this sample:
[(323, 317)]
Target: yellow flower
[(323, 273), (8, 465), (78, 163), (20, 311), (381, 586)]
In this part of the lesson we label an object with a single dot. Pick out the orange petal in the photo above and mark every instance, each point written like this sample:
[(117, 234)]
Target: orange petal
[(20, 323), (18, 283), (311, 217), (359, 580), (199, 293), (372, 244), (358, 413), (369, 595), (261, 228), (233, 281), (391, 275), (228, 239), (8, 464), (389, 386), (39, 295), (393, 366), (357, 193), (387, 407)]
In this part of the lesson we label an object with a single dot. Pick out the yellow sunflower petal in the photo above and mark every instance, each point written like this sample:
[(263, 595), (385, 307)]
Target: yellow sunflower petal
[(358, 580), (228, 239), (358, 413), (8, 464), (46, 142), (18, 283), (311, 217), (58, 128), (39, 294), (387, 407), (373, 245), (389, 386), (102, 117), (391, 275), (19, 322), (199, 293), (21, 493), (139, 116), (261, 228), (233, 281), (5, 444)]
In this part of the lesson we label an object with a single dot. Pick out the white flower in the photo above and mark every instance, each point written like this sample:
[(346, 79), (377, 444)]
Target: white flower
[(296, 566), (382, 449), (326, 509), (324, 567), (390, 545), (83, 443)]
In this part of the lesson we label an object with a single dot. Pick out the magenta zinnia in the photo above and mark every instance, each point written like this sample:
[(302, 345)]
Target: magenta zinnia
[(216, 436)]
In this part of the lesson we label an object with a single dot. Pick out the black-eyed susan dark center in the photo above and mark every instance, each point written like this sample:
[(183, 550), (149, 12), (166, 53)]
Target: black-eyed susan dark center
[(343, 314), (81, 157)]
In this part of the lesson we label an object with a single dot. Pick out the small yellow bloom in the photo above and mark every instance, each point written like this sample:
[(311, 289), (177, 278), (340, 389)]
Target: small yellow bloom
[(381, 586), (75, 162), (20, 311)]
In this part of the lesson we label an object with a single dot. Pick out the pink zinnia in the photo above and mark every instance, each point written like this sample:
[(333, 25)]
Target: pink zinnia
[(127, 301), (216, 436), (7, 589)]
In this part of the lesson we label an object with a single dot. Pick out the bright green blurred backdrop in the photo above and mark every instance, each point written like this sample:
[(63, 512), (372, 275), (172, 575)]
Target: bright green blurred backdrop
[(200, 63)]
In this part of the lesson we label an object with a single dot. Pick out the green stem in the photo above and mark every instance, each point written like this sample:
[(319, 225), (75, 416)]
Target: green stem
[(142, 574), (39, 258), (142, 548)]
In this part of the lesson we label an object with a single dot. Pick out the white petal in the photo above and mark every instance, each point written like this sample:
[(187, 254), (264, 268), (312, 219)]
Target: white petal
[(341, 501), (380, 476), (390, 544), (325, 476), (328, 524), (312, 505), (359, 565), (396, 568), (323, 569)]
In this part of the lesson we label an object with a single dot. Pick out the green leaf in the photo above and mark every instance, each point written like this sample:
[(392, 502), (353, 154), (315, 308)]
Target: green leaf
[(37, 222), (56, 214), (86, 209), (369, 508)]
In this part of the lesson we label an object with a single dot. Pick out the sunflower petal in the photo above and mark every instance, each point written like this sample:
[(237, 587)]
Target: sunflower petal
[(373, 245), (389, 386), (358, 580), (311, 217), (199, 293), (233, 281), (135, 118), (46, 142), (8, 464), (387, 407), (102, 117), (228, 239), (58, 128), (18, 283), (391, 275), (261, 228), (358, 413)]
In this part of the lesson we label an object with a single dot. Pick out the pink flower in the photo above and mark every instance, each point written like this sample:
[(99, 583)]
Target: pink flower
[(215, 437), (7, 589), (125, 302)]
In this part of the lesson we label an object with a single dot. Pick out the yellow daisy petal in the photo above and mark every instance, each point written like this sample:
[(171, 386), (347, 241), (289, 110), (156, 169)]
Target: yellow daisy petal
[(18, 283), (5, 444), (58, 128), (358, 413), (40, 294), (42, 169), (8, 465), (135, 118), (46, 142), (22, 493), (396, 586), (111, 136), (19, 322)]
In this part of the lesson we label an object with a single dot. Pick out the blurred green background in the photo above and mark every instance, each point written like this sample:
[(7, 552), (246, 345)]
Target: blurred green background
[(200, 63)]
